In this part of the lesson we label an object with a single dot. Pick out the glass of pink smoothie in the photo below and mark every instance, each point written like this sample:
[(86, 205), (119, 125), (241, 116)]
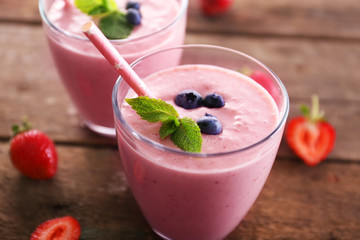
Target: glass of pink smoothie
[(204, 195), (86, 75)]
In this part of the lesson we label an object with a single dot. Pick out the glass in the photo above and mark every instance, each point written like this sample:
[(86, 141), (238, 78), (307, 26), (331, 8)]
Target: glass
[(88, 77), (209, 201)]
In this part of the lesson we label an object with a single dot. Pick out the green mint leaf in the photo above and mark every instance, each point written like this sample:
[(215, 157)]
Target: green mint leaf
[(187, 136), (168, 127), (185, 133), (152, 110), (96, 7), (115, 26)]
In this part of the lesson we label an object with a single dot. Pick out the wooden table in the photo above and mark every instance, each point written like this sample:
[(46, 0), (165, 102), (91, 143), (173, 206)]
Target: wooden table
[(313, 46)]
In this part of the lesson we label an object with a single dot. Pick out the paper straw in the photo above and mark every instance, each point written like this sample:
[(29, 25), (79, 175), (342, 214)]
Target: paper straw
[(93, 33), (67, 3)]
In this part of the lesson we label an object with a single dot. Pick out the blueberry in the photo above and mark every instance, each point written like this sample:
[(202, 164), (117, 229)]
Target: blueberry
[(133, 16), (209, 124), (213, 100), (133, 4), (189, 99)]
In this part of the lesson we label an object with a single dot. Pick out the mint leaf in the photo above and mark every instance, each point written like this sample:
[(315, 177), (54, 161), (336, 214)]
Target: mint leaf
[(96, 7), (187, 136), (115, 26), (152, 110), (185, 133), (168, 127)]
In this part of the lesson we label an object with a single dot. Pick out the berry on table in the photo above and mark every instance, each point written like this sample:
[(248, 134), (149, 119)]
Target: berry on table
[(209, 124), (215, 7), (213, 100), (189, 99), (310, 136), (33, 153), (63, 228)]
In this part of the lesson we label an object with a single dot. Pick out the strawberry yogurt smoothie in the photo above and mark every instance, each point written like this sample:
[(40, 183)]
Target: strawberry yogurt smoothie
[(87, 76), (203, 195)]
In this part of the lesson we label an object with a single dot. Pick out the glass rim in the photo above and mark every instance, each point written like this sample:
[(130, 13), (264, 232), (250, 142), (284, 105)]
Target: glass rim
[(183, 7), (160, 146)]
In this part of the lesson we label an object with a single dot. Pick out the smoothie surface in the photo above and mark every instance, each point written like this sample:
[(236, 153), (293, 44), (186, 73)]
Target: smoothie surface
[(155, 15), (249, 114)]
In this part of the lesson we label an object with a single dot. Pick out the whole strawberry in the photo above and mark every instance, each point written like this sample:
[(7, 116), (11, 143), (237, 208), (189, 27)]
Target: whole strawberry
[(310, 136), (215, 7), (33, 153)]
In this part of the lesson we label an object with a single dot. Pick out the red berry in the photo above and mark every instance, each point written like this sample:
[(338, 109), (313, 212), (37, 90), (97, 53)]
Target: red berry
[(215, 7), (33, 153), (310, 136), (64, 228), (266, 82)]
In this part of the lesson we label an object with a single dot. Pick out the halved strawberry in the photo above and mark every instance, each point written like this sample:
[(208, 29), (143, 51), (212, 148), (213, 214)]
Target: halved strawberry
[(310, 136), (64, 228)]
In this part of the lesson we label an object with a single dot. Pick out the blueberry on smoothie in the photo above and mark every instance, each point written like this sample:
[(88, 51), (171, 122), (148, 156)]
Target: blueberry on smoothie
[(133, 4), (189, 99), (133, 16), (209, 124), (213, 100)]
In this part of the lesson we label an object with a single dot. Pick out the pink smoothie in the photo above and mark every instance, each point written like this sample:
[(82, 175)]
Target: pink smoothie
[(199, 196), (87, 76)]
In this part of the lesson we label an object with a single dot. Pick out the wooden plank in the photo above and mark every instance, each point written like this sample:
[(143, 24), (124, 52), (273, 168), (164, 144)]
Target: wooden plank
[(34, 89), (297, 202), (322, 18)]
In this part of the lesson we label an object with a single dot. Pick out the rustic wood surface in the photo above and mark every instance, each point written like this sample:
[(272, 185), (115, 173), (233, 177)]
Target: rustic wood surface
[(314, 47)]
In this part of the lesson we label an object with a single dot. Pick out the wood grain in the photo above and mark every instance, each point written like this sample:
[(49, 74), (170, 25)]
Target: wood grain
[(297, 18), (34, 89), (297, 202), (313, 46)]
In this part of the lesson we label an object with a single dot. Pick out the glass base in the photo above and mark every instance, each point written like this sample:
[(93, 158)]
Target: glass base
[(103, 131), (162, 236)]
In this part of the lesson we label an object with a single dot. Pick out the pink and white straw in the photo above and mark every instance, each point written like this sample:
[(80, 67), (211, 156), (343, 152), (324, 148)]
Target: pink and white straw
[(93, 33)]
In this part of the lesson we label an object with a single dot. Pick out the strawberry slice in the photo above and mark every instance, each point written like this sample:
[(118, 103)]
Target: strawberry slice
[(310, 136), (64, 228), (215, 7)]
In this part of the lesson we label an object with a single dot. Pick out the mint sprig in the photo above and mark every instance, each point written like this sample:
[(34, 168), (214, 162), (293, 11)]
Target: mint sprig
[(112, 23), (185, 133), (96, 7), (115, 26)]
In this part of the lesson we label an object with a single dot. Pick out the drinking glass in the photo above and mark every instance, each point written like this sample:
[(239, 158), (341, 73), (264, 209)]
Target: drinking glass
[(186, 195), (88, 77)]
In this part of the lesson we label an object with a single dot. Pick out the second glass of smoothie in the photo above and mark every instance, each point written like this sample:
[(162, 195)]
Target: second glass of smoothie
[(87, 76), (202, 196)]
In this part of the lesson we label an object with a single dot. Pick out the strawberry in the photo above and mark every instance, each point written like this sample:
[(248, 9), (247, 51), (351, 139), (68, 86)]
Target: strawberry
[(64, 228), (266, 82), (33, 153), (215, 7), (310, 136)]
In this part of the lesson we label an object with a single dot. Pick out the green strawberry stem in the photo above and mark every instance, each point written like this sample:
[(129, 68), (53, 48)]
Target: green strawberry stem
[(314, 114), (25, 126)]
